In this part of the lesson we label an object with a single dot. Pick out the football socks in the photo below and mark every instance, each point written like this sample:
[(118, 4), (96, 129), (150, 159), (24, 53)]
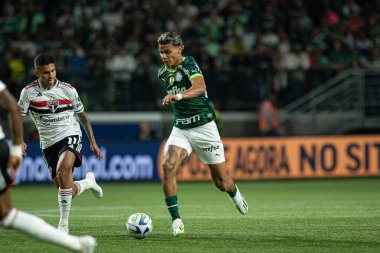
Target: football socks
[(64, 201), (172, 204), (233, 193)]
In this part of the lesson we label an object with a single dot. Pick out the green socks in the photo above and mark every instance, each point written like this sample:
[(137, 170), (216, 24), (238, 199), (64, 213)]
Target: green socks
[(172, 204), (233, 193)]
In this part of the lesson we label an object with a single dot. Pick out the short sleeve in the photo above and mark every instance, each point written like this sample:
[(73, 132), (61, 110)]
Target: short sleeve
[(191, 69), (24, 102), (77, 103)]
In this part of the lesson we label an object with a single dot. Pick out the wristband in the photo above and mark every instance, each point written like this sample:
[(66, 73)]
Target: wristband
[(16, 150), (179, 96)]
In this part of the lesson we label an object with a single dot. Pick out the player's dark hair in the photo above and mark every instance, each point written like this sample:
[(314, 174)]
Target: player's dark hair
[(170, 38), (43, 59)]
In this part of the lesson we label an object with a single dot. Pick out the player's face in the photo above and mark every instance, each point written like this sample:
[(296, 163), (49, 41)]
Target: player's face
[(46, 74), (171, 55)]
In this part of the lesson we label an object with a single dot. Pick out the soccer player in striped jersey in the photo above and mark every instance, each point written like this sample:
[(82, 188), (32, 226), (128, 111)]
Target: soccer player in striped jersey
[(52, 105), (194, 126), (10, 160)]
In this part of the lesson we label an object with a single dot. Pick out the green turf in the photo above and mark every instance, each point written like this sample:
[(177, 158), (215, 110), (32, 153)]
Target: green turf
[(285, 216)]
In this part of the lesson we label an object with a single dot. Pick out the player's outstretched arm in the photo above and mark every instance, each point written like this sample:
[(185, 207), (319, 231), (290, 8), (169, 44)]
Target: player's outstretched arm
[(9, 103), (84, 120)]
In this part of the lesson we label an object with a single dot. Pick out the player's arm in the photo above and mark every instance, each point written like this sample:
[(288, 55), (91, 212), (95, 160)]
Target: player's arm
[(84, 120), (23, 104), (9, 103), (198, 88)]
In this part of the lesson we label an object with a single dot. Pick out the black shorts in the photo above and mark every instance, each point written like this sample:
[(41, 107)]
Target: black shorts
[(6, 179), (51, 154)]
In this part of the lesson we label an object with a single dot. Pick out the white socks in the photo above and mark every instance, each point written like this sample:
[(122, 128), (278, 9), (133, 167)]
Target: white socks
[(82, 186), (64, 201), (38, 228)]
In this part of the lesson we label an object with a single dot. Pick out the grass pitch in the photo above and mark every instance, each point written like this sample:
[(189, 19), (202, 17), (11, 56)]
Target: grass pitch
[(341, 215)]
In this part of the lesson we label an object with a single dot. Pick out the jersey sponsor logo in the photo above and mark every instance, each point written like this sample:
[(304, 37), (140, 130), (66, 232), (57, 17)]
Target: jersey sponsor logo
[(52, 105), (187, 121), (46, 120), (175, 90), (211, 148)]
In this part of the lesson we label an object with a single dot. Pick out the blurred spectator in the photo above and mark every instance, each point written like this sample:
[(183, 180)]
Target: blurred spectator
[(269, 123), (339, 57), (145, 132), (105, 44), (349, 7), (355, 24)]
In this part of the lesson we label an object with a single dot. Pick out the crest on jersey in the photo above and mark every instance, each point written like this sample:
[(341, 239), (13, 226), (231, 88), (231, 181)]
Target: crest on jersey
[(178, 76), (52, 105), (171, 80)]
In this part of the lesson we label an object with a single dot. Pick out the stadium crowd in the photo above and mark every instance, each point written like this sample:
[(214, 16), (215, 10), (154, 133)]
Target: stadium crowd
[(108, 49)]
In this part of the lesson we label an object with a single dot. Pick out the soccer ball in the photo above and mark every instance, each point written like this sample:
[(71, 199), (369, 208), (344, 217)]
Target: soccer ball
[(139, 225)]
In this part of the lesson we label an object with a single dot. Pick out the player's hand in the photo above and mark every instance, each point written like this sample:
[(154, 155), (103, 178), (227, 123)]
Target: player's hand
[(14, 163), (96, 150), (169, 99), (24, 146)]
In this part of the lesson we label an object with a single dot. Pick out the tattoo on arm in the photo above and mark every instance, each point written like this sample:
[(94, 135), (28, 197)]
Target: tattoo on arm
[(87, 126)]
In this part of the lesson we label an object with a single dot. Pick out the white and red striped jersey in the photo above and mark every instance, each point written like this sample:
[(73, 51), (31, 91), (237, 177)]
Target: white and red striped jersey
[(2, 87), (52, 111)]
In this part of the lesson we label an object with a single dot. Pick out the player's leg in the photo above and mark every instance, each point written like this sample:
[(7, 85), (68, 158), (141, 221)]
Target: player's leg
[(177, 150), (170, 165), (88, 183), (64, 179), (225, 183), (172, 161), (36, 227), (74, 144), (210, 150)]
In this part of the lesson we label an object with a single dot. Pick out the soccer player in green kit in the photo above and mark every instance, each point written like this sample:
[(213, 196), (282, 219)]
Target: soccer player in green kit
[(194, 126)]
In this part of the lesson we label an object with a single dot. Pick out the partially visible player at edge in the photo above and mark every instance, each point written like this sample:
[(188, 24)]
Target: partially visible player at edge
[(10, 161), (52, 105), (194, 126)]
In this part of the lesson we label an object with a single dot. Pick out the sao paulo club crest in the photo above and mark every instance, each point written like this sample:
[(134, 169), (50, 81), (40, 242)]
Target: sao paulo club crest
[(52, 105)]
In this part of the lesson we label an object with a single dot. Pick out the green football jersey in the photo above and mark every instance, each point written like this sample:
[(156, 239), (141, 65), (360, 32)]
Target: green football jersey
[(188, 113)]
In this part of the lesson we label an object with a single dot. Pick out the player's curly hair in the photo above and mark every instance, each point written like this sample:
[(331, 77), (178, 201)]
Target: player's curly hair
[(170, 38), (43, 59)]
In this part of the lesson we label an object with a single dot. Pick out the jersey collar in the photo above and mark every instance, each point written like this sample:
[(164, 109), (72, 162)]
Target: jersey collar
[(55, 85)]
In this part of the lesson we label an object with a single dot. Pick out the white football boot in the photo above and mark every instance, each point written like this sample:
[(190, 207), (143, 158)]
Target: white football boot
[(64, 228), (87, 243), (178, 227), (240, 202), (95, 188)]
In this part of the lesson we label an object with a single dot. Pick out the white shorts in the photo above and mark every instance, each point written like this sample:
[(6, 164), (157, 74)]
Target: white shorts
[(205, 140)]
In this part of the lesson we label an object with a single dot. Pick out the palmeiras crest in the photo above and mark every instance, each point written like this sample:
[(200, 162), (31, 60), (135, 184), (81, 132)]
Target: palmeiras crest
[(53, 105)]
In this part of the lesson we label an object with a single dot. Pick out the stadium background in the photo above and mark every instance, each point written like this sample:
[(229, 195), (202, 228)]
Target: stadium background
[(303, 51)]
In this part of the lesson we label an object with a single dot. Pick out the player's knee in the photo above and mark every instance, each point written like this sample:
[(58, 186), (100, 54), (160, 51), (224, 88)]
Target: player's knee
[(64, 178), (168, 169), (62, 172)]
